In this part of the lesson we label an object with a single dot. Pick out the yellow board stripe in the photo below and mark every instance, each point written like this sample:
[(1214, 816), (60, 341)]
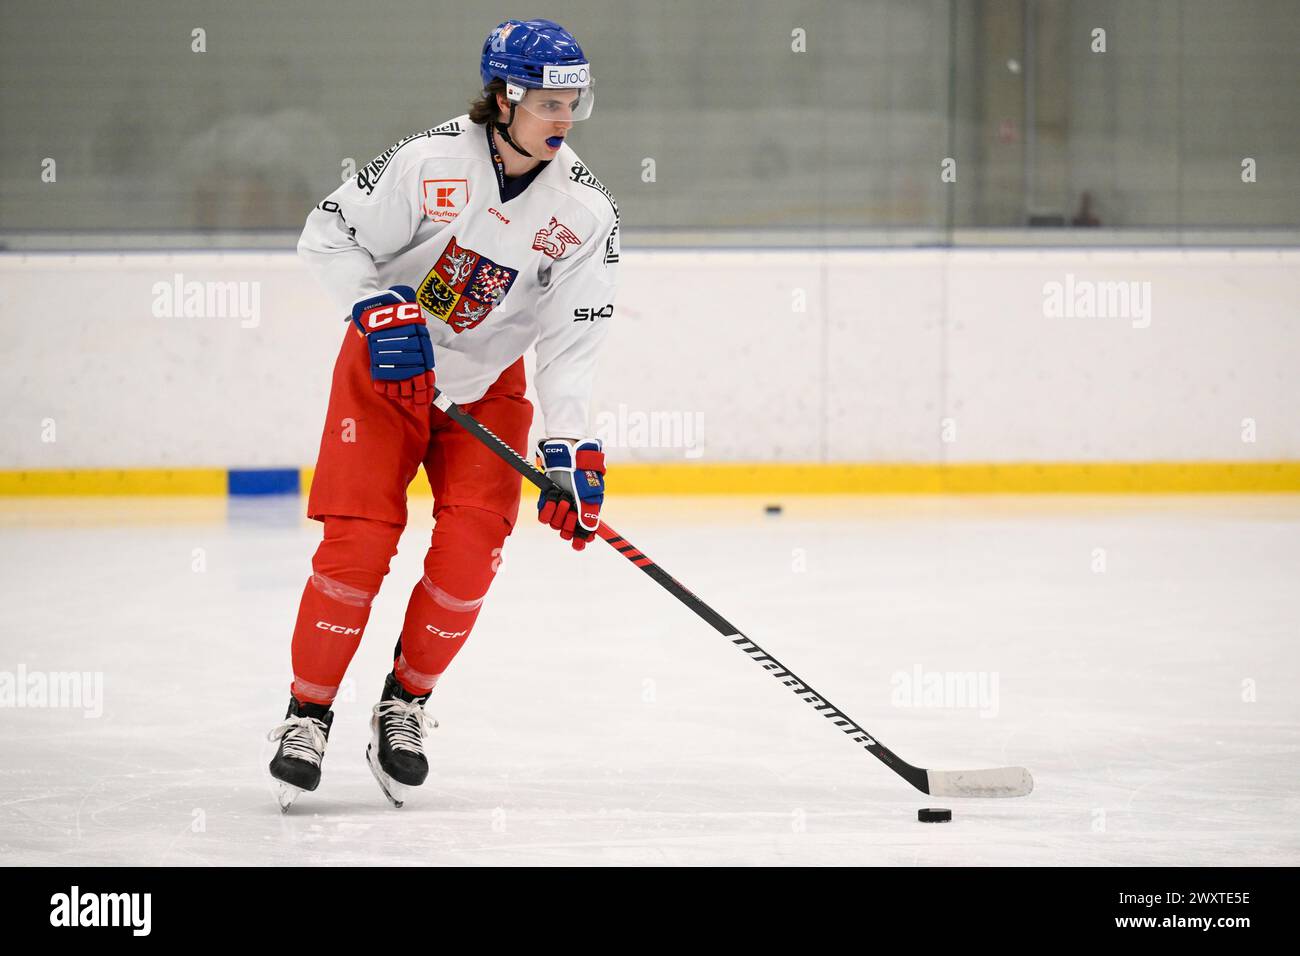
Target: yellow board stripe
[(763, 478), (991, 478), (115, 481), (418, 488)]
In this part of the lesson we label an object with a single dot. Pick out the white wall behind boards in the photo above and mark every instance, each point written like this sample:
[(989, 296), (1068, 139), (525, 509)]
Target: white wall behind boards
[(877, 355)]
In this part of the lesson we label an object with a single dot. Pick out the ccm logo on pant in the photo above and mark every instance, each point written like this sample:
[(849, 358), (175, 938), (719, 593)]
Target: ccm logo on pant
[(448, 634), (387, 314), (337, 628)]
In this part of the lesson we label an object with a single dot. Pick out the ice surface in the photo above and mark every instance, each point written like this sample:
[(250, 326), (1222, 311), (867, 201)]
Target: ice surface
[(1146, 652)]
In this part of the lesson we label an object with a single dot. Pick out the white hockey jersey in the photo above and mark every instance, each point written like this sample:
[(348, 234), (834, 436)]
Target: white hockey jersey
[(492, 277)]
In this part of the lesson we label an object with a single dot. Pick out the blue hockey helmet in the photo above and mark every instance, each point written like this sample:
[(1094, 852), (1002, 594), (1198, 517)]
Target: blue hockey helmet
[(539, 55)]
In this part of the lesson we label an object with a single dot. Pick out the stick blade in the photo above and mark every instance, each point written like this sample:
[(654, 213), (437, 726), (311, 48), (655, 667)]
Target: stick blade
[(998, 782)]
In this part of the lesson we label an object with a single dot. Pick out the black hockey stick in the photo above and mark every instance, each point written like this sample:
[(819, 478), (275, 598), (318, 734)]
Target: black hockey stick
[(996, 782)]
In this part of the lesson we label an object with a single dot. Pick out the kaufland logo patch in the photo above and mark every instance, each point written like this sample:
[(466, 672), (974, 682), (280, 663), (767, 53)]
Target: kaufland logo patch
[(445, 199), (565, 77)]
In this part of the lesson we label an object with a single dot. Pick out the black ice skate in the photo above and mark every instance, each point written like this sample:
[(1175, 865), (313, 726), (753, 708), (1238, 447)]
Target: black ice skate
[(398, 726), (302, 736)]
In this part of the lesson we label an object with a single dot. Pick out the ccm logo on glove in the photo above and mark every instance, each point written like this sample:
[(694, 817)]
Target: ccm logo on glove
[(403, 313), (401, 352), (571, 504)]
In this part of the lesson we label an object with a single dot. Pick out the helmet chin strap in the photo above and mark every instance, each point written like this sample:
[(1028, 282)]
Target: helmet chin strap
[(504, 130)]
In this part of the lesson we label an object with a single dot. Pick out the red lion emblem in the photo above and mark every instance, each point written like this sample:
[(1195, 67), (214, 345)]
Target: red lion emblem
[(555, 239)]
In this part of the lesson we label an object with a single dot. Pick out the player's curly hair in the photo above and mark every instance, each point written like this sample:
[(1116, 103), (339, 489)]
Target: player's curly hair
[(484, 109)]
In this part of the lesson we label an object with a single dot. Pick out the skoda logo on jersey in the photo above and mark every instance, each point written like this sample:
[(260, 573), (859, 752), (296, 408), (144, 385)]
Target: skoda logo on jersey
[(566, 77)]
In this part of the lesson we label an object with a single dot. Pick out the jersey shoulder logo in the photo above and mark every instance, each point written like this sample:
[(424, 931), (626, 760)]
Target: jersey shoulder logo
[(580, 174), (369, 174), (463, 287), (555, 239)]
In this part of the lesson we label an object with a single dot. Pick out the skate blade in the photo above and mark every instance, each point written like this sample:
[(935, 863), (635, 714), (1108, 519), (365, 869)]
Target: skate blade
[(394, 791), (285, 794)]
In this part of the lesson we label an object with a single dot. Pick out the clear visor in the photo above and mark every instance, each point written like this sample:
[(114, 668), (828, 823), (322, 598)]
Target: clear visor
[(559, 106)]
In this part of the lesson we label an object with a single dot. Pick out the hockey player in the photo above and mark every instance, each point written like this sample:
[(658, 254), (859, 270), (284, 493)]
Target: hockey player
[(465, 244)]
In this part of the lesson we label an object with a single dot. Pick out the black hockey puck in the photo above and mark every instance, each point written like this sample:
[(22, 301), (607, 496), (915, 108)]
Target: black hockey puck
[(773, 509), (934, 815)]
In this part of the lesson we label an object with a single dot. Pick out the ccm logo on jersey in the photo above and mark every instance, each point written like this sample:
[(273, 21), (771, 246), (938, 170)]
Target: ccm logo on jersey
[(555, 239), (592, 314), (445, 199), (403, 312), (337, 628)]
